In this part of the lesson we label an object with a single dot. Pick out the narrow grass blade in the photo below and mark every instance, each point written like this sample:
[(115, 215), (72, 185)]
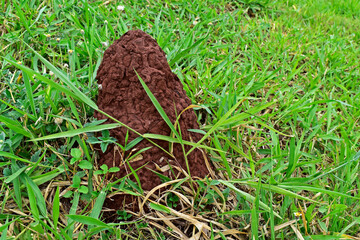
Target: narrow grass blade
[(158, 107), (43, 178), (278, 189), (292, 159), (237, 212), (23, 19), (3, 228), (255, 214), (174, 140), (187, 50), (73, 109), (16, 184), (65, 79), (29, 93), (133, 143), (247, 196), (317, 190), (272, 129), (75, 132), (136, 177), (40, 77), (223, 157), (13, 156), (345, 163), (56, 208), (15, 126), (216, 126), (236, 148), (32, 117), (241, 116), (65, 235), (272, 219)]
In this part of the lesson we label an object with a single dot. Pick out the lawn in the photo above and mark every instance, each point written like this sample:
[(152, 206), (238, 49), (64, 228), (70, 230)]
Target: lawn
[(276, 84)]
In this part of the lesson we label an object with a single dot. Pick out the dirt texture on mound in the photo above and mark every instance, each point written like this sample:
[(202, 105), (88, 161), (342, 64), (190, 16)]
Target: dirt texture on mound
[(122, 96)]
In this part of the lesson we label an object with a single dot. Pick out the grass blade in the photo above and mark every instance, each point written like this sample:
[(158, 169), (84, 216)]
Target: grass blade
[(217, 124), (76, 132), (65, 79), (15, 175), (87, 220), (292, 159), (255, 214), (70, 221), (56, 207), (32, 199), (13, 156), (40, 201), (223, 157), (247, 196), (32, 117), (53, 84), (158, 107), (95, 213), (187, 50), (15, 126), (29, 93)]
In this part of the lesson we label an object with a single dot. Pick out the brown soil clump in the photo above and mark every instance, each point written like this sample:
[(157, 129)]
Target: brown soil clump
[(123, 97)]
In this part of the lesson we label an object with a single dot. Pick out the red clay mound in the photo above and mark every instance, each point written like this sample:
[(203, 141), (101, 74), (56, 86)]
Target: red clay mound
[(123, 97)]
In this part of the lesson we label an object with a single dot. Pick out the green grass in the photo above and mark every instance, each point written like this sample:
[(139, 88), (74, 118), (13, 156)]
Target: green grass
[(278, 89)]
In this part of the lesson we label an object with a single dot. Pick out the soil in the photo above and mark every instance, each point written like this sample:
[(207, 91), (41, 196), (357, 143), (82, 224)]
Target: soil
[(122, 96)]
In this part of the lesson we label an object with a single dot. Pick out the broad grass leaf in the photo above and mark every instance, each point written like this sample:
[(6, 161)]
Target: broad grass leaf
[(40, 201), (15, 175), (75, 203), (32, 199), (159, 207), (43, 178), (95, 213), (87, 220)]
